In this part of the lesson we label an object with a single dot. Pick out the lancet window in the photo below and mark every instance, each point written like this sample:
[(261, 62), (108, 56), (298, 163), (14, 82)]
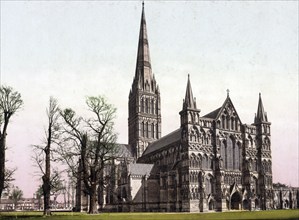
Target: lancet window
[(153, 131), (153, 107), (146, 129), (223, 122), (230, 153), (237, 157), (142, 105), (228, 122), (143, 129), (146, 106), (232, 123), (223, 154)]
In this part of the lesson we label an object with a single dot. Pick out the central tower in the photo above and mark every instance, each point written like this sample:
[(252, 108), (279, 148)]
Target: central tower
[(144, 99)]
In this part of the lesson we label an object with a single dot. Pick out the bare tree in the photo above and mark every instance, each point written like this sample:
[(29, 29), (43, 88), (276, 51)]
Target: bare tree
[(8, 177), (92, 142), (10, 103), (43, 154), (16, 196)]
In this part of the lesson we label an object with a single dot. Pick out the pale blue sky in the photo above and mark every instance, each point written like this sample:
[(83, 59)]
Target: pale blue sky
[(73, 49)]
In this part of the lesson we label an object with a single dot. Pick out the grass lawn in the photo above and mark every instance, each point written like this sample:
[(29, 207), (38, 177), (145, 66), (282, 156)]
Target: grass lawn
[(274, 214)]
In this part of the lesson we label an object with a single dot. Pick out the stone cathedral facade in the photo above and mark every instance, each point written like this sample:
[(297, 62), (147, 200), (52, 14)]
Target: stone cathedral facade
[(210, 162)]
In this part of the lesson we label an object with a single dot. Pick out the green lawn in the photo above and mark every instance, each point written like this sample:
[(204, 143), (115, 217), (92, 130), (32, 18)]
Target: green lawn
[(274, 214)]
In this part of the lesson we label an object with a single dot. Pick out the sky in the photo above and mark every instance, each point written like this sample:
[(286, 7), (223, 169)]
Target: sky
[(73, 49)]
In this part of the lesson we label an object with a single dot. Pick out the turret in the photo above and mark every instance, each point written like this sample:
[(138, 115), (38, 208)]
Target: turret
[(189, 113), (263, 141)]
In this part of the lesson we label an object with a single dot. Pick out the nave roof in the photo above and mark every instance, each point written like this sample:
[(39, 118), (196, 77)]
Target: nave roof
[(140, 168), (163, 142), (124, 150)]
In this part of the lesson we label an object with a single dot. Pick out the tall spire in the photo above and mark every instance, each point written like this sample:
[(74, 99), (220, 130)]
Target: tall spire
[(144, 99), (143, 65), (261, 115), (189, 101)]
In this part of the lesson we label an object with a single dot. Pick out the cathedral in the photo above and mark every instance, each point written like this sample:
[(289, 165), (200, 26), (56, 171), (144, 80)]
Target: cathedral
[(212, 162)]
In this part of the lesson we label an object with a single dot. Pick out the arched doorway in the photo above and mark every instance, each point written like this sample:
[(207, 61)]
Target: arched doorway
[(211, 205), (236, 201)]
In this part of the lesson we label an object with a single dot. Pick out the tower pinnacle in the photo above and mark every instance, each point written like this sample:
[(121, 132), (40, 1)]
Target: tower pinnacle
[(189, 101), (261, 115)]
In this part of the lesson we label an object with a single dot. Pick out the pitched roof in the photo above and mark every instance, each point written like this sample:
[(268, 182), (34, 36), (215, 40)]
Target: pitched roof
[(163, 142), (124, 150), (213, 114), (140, 168)]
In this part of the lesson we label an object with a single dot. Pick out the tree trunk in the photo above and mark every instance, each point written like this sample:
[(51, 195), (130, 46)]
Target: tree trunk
[(101, 188), (46, 188), (2, 162), (93, 200), (46, 179)]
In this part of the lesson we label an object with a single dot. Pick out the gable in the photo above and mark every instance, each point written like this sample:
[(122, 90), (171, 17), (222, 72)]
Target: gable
[(226, 116)]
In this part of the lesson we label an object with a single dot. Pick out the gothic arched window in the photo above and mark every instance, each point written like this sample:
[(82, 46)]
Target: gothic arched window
[(208, 140), (227, 123), (153, 107), (146, 105), (142, 105), (147, 86), (199, 161), (205, 162), (153, 131), (223, 121), (267, 143), (230, 153), (223, 154), (143, 129), (146, 129), (237, 157)]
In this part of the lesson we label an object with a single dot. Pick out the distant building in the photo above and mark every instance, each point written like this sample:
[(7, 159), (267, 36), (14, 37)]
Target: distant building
[(285, 197), (210, 163), (7, 204)]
